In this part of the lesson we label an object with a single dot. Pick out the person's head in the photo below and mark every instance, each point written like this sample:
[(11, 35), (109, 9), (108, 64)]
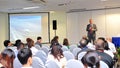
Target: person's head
[(65, 42), (7, 43), (28, 39), (109, 39), (7, 57), (30, 42), (91, 59), (83, 43), (100, 44), (17, 41), (106, 46), (56, 38), (20, 45), (39, 39), (56, 51), (90, 21), (25, 56)]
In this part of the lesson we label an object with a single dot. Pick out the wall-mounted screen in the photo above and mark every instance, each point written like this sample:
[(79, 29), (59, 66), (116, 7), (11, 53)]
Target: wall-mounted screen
[(29, 25)]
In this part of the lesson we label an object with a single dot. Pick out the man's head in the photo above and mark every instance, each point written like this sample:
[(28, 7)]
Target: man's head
[(7, 43), (90, 21), (39, 39), (91, 58), (99, 44), (20, 45), (109, 39), (17, 41), (25, 56), (83, 42)]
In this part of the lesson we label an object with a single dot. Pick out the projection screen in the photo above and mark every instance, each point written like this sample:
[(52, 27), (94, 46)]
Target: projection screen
[(29, 25)]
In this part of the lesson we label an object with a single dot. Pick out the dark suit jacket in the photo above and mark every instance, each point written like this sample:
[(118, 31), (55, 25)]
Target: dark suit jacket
[(94, 28)]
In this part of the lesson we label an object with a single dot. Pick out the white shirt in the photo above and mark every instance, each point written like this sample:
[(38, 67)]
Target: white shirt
[(16, 63), (61, 63), (112, 46), (109, 52), (26, 67), (34, 50), (16, 52), (91, 46)]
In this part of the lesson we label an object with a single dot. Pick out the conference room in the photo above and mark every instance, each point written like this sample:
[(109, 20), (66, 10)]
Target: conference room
[(67, 19)]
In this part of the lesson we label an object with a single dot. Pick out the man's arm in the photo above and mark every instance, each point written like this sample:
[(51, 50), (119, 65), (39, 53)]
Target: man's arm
[(95, 28), (87, 29)]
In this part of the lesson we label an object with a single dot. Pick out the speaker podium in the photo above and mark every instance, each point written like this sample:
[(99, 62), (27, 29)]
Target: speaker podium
[(55, 26)]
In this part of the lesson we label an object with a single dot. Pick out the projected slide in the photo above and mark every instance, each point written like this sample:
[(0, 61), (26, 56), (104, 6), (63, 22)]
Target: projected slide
[(24, 26)]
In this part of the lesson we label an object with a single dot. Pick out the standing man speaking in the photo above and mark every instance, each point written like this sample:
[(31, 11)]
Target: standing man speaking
[(91, 29)]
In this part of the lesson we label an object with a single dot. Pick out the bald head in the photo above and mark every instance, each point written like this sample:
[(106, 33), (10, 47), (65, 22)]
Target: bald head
[(90, 21), (99, 44), (109, 39), (83, 42)]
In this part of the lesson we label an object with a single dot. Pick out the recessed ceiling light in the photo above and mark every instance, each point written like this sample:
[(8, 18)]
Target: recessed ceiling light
[(31, 7), (104, 0)]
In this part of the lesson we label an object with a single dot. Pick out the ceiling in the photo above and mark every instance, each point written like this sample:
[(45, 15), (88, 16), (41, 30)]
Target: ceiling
[(54, 5)]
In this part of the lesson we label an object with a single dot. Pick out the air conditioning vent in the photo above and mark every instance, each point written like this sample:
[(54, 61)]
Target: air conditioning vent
[(77, 10), (43, 1)]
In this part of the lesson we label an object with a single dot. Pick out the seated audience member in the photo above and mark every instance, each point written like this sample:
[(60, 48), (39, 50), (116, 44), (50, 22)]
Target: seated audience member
[(7, 57), (66, 43), (89, 45), (16, 62), (25, 57), (91, 60), (107, 50), (19, 46), (106, 47), (38, 43), (27, 42), (111, 45), (31, 44), (83, 46), (7, 43), (100, 44), (54, 41), (57, 55), (16, 42)]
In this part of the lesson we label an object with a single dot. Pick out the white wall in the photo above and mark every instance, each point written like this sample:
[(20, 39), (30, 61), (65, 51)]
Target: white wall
[(61, 25), (107, 23), (3, 29)]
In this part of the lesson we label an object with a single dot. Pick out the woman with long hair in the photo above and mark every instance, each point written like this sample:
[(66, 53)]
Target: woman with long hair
[(7, 57), (57, 55)]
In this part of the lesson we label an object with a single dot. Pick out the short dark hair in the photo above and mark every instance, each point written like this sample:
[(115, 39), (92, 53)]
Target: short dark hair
[(19, 45), (38, 38), (23, 55), (102, 38), (6, 42), (17, 41), (91, 58), (106, 45)]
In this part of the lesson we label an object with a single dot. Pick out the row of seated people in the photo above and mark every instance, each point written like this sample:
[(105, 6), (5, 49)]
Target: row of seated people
[(56, 56)]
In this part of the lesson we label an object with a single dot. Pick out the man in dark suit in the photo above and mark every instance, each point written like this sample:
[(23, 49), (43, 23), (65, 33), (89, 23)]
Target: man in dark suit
[(91, 29)]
